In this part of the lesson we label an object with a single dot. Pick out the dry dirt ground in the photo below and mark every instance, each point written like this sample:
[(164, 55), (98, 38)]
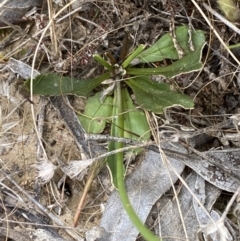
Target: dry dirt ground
[(80, 30)]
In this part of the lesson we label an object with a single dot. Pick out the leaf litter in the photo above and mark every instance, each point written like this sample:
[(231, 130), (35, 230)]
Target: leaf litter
[(200, 175)]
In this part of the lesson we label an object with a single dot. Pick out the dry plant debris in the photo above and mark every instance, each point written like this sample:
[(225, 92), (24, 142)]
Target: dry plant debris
[(192, 167)]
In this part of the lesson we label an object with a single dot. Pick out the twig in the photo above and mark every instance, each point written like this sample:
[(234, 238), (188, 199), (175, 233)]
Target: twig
[(110, 153), (40, 123), (99, 137), (210, 129), (63, 106), (95, 169)]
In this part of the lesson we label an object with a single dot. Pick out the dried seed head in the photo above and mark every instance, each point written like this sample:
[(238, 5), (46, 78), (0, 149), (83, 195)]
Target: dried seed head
[(45, 171)]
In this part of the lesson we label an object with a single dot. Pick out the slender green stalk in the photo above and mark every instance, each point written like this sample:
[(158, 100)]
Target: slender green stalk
[(120, 132), (133, 55), (234, 46), (148, 235), (103, 62)]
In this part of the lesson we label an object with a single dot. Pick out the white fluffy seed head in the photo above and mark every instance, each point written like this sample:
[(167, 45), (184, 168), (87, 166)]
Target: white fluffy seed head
[(45, 171)]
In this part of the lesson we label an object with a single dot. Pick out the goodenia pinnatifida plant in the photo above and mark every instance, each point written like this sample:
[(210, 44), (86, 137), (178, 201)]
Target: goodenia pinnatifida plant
[(114, 105)]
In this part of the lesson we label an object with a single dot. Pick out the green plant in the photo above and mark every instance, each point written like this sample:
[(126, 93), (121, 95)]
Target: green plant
[(115, 106)]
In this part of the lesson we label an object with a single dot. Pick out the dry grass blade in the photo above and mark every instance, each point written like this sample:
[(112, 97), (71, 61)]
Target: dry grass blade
[(52, 29)]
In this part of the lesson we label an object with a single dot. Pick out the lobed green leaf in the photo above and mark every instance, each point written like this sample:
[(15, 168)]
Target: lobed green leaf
[(164, 48), (155, 96), (189, 63)]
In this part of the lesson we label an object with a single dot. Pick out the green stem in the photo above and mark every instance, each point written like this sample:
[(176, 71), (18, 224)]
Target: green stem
[(133, 55), (234, 46), (103, 62), (148, 235)]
